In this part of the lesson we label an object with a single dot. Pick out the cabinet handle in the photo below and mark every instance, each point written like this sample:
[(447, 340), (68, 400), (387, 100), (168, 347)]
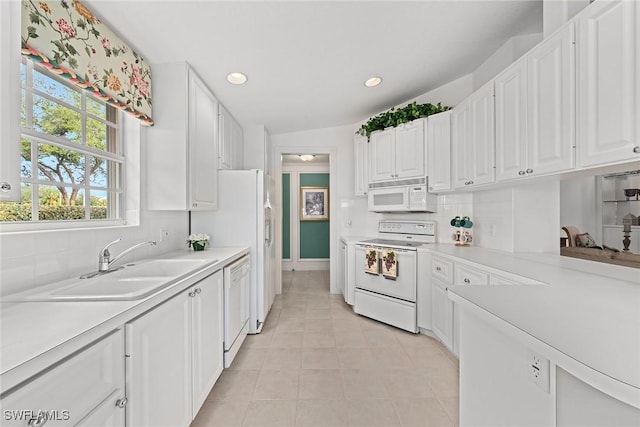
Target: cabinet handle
[(529, 170), (438, 269), (192, 294), (636, 149), (40, 420), (121, 403), (195, 205), (5, 186), (521, 173), (198, 290), (466, 280)]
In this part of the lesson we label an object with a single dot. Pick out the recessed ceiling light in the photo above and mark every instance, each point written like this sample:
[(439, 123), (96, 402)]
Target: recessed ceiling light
[(373, 81), (236, 78), (306, 157)]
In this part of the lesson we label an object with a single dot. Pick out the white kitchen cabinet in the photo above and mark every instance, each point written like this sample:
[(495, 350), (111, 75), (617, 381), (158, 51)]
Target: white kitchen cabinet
[(535, 108), (182, 154), (175, 355), (472, 139), (361, 164), (438, 146), (397, 153), (342, 269), (348, 270), (88, 388), (442, 313), (608, 96), (230, 147)]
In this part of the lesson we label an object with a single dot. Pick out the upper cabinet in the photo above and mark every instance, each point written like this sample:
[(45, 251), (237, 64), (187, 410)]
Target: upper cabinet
[(608, 93), (361, 163), (182, 148), (397, 153), (438, 146), (230, 147), (472, 139), (534, 106)]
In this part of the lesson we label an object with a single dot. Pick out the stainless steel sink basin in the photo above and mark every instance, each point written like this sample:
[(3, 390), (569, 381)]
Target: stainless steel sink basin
[(133, 282)]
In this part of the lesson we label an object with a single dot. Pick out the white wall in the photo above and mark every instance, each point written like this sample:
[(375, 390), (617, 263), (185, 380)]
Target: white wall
[(30, 259)]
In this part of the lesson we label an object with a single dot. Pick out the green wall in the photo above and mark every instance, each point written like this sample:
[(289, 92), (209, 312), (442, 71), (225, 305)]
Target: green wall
[(286, 216), (314, 235)]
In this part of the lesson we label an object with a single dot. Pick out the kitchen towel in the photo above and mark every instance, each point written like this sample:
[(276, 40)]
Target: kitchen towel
[(371, 265), (389, 264)]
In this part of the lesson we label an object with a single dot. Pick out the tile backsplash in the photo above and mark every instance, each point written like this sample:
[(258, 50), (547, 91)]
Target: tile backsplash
[(30, 259)]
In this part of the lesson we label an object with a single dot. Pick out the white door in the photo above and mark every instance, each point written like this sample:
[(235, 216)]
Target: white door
[(442, 314), (483, 136), (410, 149), (108, 414), (551, 104), (207, 341), (608, 99), (382, 155), (203, 146), (511, 122), (404, 285), (460, 145), (158, 365), (438, 143)]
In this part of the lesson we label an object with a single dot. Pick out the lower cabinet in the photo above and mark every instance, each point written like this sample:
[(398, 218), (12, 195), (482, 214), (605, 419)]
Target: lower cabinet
[(174, 355), (85, 389), (442, 314)]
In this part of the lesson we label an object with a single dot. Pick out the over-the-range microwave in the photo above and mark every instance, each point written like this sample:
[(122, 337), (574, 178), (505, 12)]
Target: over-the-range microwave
[(408, 195)]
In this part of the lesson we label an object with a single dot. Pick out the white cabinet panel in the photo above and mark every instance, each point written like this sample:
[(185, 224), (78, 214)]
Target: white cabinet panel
[(382, 159), (361, 161), (551, 104), (226, 139), (473, 141), (438, 141), (76, 388), (182, 155), (409, 150), (607, 95), (442, 314)]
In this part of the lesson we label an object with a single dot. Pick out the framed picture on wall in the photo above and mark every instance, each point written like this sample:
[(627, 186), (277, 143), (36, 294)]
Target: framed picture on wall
[(314, 204)]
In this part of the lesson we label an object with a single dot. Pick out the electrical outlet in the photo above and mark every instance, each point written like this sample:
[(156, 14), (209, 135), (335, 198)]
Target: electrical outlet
[(164, 234), (538, 370)]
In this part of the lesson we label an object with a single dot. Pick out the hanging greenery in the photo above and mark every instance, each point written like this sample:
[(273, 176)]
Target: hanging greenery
[(393, 117)]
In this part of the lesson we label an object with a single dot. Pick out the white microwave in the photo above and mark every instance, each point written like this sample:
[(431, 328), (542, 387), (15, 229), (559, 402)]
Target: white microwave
[(407, 197)]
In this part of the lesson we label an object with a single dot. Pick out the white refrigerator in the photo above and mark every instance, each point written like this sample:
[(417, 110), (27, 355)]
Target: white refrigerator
[(245, 218)]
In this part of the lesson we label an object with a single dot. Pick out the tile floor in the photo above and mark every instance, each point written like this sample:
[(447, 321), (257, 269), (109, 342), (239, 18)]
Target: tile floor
[(316, 363)]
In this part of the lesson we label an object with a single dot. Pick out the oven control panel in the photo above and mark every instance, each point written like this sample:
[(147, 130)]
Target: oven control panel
[(421, 228)]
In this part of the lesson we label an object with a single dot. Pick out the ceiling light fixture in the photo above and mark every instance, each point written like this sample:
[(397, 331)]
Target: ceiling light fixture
[(306, 157), (236, 78), (373, 81)]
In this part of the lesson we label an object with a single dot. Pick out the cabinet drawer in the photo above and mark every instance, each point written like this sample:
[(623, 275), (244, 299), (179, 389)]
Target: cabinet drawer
[(466, 275), (69, 391), (442, 269)]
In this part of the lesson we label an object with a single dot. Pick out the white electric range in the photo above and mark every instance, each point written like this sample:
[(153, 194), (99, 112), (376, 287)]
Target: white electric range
[(387, 272)]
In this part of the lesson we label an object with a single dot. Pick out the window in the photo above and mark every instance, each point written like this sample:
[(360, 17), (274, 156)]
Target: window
[(72, 162)]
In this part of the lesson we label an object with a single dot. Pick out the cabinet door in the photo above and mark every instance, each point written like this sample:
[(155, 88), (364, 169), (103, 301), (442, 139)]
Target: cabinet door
[(107, 414), (511, 122), (226, 138), (203, 146), (74, 388), (237, 147), (158, 347), (361, 164), (461, 145), (608, 114), (409, 150), (382, 155), (442, 314), (438, 143), (207, 330), (551, 108), (483, 136)]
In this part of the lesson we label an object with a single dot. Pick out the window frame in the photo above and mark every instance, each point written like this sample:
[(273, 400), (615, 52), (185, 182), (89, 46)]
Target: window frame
[(116, 197)]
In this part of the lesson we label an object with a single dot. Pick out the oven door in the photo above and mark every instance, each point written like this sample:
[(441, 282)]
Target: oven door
[(404, 285)]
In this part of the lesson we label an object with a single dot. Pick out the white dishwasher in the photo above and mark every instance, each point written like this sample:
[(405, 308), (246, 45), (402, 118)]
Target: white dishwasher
[(237, 279)]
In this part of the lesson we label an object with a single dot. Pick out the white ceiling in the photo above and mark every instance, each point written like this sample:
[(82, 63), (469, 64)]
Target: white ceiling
[(294, 159), (307, 61)]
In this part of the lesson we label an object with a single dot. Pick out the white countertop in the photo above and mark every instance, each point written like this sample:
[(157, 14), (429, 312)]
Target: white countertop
[(590, 317), (33, 335), (355, 239)]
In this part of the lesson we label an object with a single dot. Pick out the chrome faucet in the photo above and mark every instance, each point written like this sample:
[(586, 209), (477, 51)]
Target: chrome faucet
[(104, 257)]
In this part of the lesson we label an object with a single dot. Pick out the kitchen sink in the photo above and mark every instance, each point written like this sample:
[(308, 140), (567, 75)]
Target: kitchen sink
[(133, 282)]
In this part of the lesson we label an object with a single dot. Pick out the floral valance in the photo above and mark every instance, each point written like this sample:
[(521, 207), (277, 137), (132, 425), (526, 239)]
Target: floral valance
[(64, 36)]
